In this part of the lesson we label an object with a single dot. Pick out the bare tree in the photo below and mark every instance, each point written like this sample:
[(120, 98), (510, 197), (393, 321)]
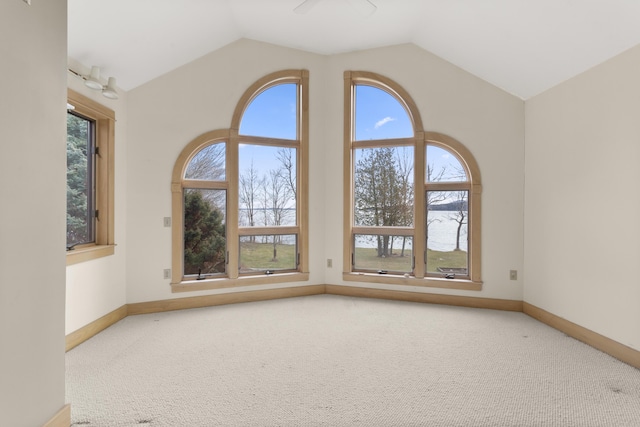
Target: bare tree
[(278, 195), (288, 169), (250, 185), (404, 161), (434, 197), (263, 197), (460, 215), (209, 165)]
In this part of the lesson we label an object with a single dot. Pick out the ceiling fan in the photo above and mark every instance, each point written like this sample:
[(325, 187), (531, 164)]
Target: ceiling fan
[(365, 7)]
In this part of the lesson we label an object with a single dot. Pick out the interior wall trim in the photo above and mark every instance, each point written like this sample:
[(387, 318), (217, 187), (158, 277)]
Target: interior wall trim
[(61, 419), (613, 348), (81, 335), (490, 303), (222, 299)]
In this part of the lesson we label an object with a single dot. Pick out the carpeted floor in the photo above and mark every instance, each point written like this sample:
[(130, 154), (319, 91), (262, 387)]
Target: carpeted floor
[(336, 361)]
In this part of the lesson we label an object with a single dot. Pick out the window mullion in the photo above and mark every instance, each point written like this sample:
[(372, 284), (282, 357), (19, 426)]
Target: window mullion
[(269, 142), (233, 242), (374, 143), (213, 185), (474, 232), (257, 231), (302, 200), (419, 205), (395, 231), (448, 186), (348, 172), (177, 232)]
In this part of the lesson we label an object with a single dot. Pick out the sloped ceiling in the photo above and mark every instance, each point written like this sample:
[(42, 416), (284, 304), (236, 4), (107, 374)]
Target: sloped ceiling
[(521, 46)]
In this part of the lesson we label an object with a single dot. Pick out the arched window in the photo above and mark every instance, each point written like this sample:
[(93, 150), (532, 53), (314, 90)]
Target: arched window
[(204, 189), (413, 197), (240, 195)]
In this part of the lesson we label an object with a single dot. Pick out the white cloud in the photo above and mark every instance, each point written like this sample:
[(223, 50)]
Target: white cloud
[(383, 122)]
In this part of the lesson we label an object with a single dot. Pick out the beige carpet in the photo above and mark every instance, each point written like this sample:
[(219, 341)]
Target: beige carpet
[(336, 361)]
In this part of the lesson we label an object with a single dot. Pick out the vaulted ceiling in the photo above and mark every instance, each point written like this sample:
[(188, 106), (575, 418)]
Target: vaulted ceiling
[(521, 46)]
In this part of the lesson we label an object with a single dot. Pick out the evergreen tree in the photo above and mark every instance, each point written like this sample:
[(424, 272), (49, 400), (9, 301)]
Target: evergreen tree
[(78, 181), (204, 236)]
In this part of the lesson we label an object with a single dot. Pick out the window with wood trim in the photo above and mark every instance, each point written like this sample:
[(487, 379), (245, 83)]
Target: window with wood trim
[(239, 195), (412, 198), (90, 179)]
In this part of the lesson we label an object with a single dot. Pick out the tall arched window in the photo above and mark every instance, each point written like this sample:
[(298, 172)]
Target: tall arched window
[(240, 194), (412, 198)]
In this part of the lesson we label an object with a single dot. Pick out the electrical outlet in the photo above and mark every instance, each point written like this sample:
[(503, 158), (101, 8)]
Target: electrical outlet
[(167, 273), (513, 275), (167, 221), (329, 263)]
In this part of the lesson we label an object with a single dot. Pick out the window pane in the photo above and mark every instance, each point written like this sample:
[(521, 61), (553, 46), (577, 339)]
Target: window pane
[(447, 232), (205, 243), (208, 164), (80, 182), (267, 186), (379, 115), (383, 253), (384, 186), (268, 253), (273, 113), (443, 166)]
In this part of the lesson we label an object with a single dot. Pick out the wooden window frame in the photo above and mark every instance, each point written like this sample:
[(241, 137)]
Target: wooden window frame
[(105, 119), (233, 139), (419, 143)]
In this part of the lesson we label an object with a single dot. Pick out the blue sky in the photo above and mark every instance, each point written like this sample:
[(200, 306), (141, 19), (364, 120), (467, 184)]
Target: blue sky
[(378, 115), (272, 113), (439, 158)]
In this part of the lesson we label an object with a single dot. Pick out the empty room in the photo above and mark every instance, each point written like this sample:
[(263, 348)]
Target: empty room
[(319, 212)]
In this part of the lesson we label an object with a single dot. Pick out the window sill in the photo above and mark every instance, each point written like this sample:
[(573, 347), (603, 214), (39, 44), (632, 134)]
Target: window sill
[(224, 282), (430, 282), (87, 253)]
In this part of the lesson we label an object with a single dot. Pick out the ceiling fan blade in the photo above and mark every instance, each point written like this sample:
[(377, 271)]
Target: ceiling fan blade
[(305, 6), (364, 7)]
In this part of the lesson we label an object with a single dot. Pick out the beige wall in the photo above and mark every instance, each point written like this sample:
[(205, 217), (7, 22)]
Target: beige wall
[(168, 112), (97, 287), (33, 45), (582, 202)]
